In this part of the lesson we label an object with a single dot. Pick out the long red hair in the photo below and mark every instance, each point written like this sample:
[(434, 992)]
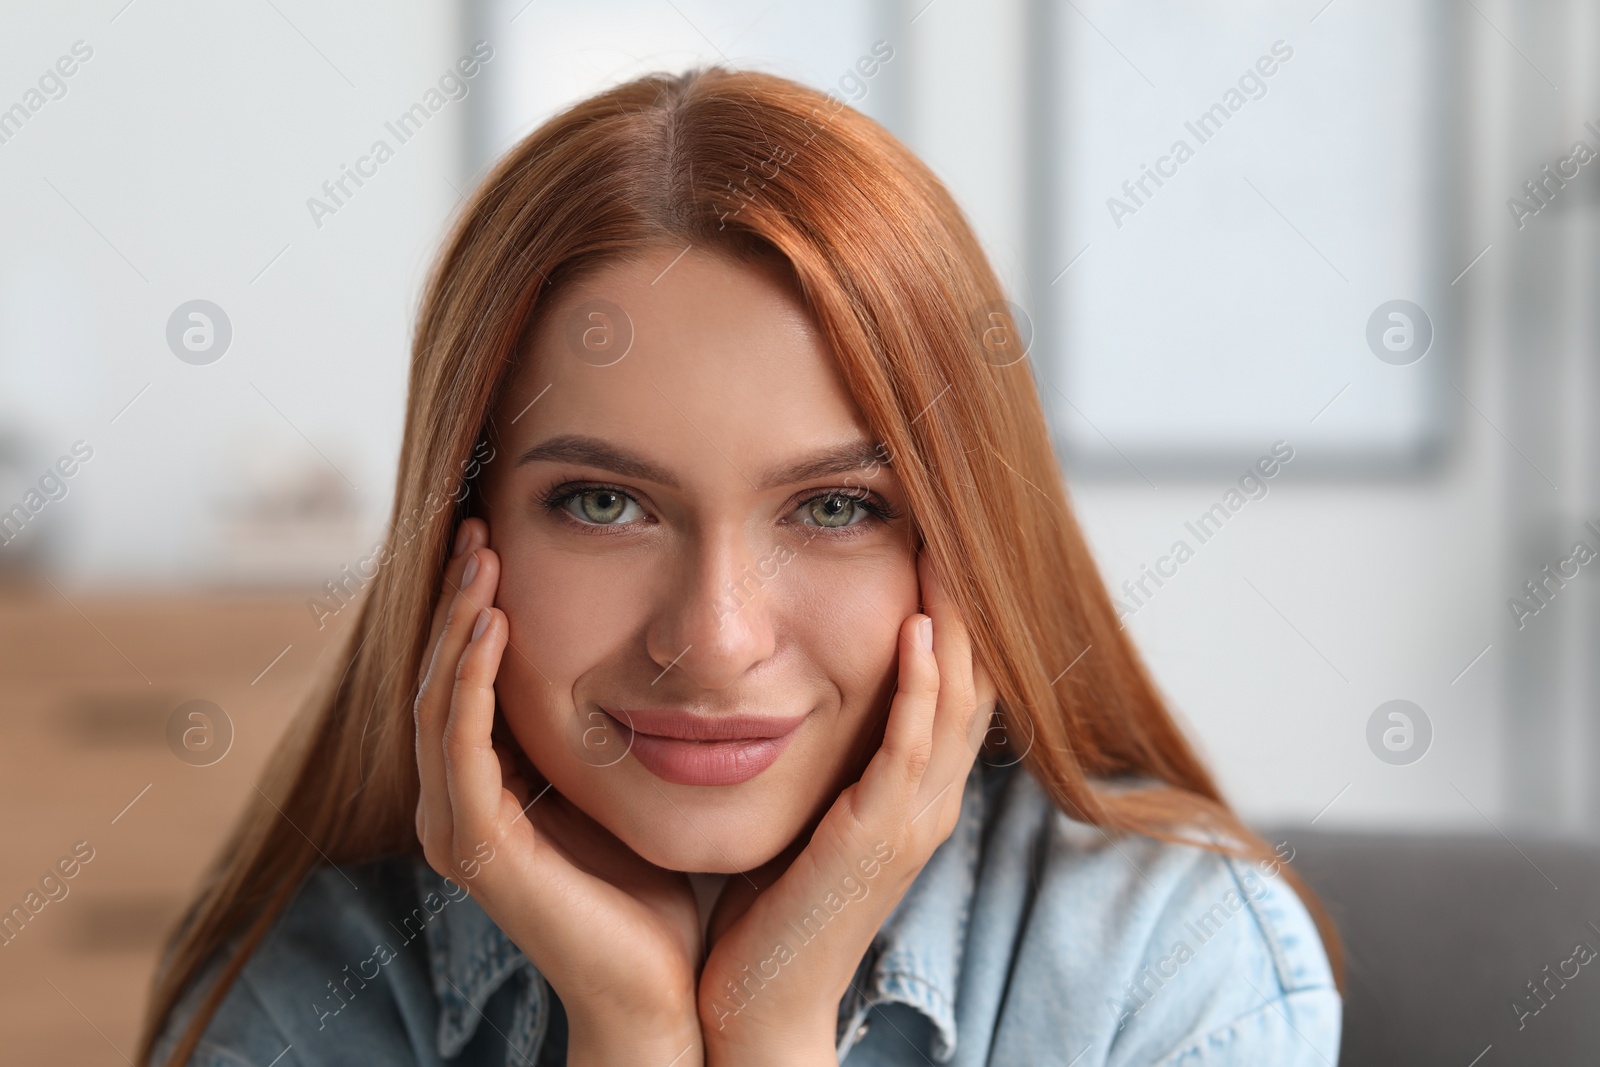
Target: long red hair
[(901, 289)]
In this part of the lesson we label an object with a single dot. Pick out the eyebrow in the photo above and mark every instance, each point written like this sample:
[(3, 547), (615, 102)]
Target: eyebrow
[(593, 452)]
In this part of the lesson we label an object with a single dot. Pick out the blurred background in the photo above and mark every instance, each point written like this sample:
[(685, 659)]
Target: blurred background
[(1354, 237)]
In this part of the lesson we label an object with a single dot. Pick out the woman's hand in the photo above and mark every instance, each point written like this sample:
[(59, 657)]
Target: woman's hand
[(772, 983), (617, 938)]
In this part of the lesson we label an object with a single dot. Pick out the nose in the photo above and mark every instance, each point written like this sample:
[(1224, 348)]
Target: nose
[(714, 621)]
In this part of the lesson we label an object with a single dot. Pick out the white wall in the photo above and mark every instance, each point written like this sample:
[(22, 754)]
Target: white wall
[(1388, 588), (189, 144), (178, 166)]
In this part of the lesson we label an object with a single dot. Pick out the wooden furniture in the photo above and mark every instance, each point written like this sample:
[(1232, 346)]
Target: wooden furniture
[(89, 683)]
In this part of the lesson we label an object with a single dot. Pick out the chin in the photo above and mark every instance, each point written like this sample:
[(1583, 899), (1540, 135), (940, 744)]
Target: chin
[(705, 846), (674, 857), (674, 851)]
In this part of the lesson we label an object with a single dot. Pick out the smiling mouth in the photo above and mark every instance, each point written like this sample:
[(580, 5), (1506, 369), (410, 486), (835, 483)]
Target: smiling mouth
[(688, 749)]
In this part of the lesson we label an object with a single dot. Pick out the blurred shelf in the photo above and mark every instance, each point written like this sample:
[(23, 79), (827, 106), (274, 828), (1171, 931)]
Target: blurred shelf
[(89, 686)]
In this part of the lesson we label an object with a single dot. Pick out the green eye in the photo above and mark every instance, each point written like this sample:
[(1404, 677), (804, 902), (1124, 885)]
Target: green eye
[(603, 507), (834, 510)]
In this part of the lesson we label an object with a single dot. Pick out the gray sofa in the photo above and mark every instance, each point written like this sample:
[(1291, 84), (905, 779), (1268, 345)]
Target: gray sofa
[(1447, 937)]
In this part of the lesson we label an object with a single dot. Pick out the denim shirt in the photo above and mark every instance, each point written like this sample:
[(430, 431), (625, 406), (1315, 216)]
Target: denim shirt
[(1028, 938)]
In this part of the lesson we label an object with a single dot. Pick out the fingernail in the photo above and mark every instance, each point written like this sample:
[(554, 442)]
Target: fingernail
[(925, 633), (463, 537), (481, 625), (471, 571)]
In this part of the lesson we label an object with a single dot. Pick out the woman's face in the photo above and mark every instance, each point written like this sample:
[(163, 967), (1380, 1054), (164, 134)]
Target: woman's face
[(705, 560)]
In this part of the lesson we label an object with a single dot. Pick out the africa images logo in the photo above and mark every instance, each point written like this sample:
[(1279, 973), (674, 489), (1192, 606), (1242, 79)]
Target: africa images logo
[(1251, 85)]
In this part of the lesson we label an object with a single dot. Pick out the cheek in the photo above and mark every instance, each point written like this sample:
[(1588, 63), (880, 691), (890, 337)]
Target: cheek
[(567, 613), (847, 614)]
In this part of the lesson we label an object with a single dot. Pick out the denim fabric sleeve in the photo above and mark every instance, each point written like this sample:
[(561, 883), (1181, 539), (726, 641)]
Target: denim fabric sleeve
[(1091, 948), (207, 1054), (316, 991), (1234, 973)]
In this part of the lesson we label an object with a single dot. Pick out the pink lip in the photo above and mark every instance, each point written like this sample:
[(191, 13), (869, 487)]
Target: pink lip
[(688, 749)]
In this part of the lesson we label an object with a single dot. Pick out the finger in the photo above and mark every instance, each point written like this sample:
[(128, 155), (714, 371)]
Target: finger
[(988, 698), (512, 777), (472, 771), (472, 533), (954, 722), (959, 720), (897, 768), (433, 700)]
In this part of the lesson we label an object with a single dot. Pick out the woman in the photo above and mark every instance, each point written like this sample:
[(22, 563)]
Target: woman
[(759, 702)]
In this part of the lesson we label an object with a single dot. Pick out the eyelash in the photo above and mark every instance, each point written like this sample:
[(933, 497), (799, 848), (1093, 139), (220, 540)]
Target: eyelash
[(556, 498)]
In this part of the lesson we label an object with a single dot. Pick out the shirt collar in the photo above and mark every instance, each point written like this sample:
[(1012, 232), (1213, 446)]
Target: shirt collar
[(469, 958), (915, 959)]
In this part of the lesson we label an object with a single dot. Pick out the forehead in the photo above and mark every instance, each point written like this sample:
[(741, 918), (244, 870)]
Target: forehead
[(692, 358)]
